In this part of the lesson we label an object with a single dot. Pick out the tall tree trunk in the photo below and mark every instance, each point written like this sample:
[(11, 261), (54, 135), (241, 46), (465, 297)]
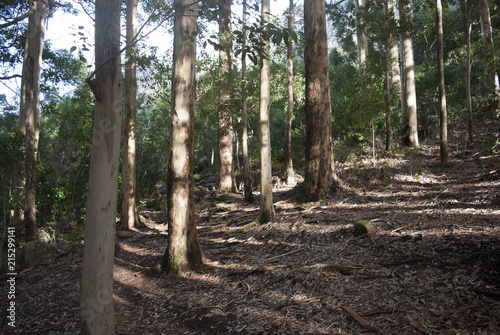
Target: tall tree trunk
[(469, 94), (320, 169), (289, 174), (225, 124), (361, 32), (183, 250), (98, 254), (128, 215), (443, 133), (30, 113), (388, 137), (266, 188), (247, 183), (487, 33), (410, 128), (394, 50)]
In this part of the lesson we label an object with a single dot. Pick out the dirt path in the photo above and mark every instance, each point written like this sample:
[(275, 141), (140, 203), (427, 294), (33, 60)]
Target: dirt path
[(430, 266)]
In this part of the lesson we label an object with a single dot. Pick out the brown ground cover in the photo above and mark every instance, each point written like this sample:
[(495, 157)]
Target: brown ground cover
[(431, 265)]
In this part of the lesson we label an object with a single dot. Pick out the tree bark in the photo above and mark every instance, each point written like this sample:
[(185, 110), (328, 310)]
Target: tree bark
[(225, 122), (394, 51), (247, 184), (469, 94), (128, 216), (183, 250), (266, 189), (443, 133), (410, 128), (487, 34), (98, 256), (320, 169), (388, 136), (361, 33), (289, 174), (30, 110)]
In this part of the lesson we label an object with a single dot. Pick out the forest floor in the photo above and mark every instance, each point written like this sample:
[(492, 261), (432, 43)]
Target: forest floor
[(431, 265)]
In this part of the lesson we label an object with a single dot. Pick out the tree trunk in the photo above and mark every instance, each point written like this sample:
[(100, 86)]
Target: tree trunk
[(225, 124), (361, 32), (388, 137), (487, 34), (394, 50), (128, 216), (410, 128), (469, 95), (443, 133), (320, 169), (266, 189), (289, 174), (183, 250), (244, 118), (30, 114), (98, 255)]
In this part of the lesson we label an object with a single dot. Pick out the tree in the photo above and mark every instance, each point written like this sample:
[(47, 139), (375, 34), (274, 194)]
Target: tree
[(487, 34), (183, 250), (443, 133), (30, 109), (266, 189), (320, 169), (225, 127), (388, 137), (469, 65), (247, 184), (289, 174), (98, 255), (128, 217), (410, 128), (361, 32)]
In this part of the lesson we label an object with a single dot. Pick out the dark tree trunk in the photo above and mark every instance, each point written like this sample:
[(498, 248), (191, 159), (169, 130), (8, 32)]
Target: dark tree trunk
[(443, 133), (30, 104), (320, 169)]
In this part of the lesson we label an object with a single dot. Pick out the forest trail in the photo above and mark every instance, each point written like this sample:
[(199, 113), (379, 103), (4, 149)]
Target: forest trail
[(430, 266)]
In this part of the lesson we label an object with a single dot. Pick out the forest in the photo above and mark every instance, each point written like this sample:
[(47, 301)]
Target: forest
[(250, 167)]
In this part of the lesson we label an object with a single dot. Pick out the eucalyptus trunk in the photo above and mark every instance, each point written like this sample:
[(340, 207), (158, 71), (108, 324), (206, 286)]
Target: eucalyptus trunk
[(98, 255), (266, 189), (443, 133), (388, 137), (320, 169), (469, 95), (128, 216), (410, 127), (361, 32), (487, 34), (183, 251), (225, 122), (289, 174), (30, 110), (247, 183)]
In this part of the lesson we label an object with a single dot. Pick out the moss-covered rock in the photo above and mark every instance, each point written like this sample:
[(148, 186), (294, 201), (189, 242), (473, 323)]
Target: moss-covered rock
[(33, 253), (362, 228)]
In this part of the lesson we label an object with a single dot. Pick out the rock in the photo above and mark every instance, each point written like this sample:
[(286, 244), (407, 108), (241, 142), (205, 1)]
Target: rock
[(362, 228), (124, 234), (223, 207), (33, 253)]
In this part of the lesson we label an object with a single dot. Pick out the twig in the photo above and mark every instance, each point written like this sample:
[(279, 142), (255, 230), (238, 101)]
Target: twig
[(361, 321), (285, 254)]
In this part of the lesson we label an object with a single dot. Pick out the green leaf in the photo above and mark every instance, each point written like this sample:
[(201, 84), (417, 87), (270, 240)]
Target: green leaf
[(73, 48)]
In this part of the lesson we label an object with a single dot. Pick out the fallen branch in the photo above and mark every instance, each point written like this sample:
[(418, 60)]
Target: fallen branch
[(361, 321)]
